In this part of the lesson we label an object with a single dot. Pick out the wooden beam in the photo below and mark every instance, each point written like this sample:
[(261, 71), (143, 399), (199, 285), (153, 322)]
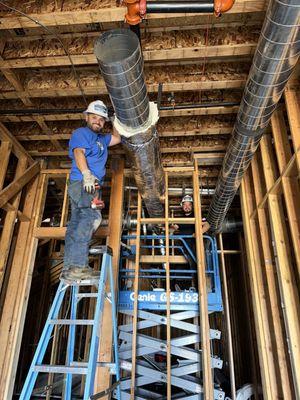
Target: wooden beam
[(15, 82), (108, 14), (209, 158), (151, 88), (217, 110), (189, 53), (17, 148), (103, 376), (41, 122), (205, 131), (60, 232), (13, 188), (164, 150)]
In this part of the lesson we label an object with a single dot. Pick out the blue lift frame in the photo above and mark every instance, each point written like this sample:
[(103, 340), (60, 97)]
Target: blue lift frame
[(156, 300)]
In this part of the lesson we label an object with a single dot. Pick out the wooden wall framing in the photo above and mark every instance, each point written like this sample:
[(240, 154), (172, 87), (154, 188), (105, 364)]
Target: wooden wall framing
[(18, 280), (18, 284), (270, 198)]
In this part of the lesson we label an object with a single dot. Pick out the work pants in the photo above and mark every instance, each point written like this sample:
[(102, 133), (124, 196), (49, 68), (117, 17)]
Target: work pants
[(83, 223)]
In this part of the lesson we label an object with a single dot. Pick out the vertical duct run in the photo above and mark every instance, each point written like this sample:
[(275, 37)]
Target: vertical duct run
[(275, 57), (121, 64)]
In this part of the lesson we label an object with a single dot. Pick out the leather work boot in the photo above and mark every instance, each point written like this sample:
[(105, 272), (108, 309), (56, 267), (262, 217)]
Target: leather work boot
[(74, 274)]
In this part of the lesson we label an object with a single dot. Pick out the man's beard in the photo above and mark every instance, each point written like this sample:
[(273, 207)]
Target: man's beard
[(91, 127)]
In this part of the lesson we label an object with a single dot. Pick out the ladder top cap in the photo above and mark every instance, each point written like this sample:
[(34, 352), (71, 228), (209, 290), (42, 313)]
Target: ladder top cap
[(101, 250)]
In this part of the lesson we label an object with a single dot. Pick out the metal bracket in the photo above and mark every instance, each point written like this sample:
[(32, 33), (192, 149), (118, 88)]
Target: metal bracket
[(105, 392), (101, 250)]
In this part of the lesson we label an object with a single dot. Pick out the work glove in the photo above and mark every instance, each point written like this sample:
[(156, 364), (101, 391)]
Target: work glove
[(89, 181)]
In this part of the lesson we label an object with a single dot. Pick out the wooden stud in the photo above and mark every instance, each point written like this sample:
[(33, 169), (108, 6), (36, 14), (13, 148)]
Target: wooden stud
[(204, 322), (136, 292), (227, 318), (293, 111), (9, 223), (65, 206), (283, 386), (168, 290), (250, 325), (286, 278), (103, 376), (5, 151), (17, 148), (263, 335), (14, 309), (13, 188), (290, 185)]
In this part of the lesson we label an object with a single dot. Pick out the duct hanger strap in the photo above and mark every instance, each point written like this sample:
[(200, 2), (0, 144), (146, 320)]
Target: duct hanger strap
[(128, 132), (136, 146), (248, 132)]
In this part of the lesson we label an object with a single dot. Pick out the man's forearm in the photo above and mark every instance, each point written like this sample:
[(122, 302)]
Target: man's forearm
[(80, 160), (115, 137)]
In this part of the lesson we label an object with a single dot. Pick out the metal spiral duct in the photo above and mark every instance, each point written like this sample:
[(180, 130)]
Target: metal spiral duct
[(121, 64), (274, 60)]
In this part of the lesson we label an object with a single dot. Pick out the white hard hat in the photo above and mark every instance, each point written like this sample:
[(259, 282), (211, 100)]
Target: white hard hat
[(97, 107), (187, 197)]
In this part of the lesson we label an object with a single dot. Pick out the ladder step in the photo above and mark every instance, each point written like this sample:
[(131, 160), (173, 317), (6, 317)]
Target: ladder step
[(86, 295), (100, 250), (71, 322), (61, 369), (82, 282)]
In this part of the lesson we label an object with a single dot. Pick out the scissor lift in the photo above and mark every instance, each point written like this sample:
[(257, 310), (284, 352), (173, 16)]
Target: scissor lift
[(162, 355)]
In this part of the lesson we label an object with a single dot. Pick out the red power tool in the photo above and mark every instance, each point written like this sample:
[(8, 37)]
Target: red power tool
[(97, 202)]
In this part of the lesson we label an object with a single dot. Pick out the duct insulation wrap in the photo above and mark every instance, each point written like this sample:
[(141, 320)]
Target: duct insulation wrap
[(275, 58), (121, 64)]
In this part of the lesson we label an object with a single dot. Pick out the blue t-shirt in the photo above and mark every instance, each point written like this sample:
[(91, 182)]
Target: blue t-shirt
[(96, 152)]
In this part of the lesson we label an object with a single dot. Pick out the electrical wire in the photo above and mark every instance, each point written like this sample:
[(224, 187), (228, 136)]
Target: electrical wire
[(59, 40)]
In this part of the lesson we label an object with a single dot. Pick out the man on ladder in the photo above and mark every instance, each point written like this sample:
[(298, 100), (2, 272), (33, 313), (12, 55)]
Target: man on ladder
[(88, 149)]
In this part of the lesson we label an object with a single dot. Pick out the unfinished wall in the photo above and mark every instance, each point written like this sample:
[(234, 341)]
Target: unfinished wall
[(270, 199)]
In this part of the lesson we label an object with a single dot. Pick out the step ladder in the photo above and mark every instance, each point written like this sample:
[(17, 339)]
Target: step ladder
[(73, 367)]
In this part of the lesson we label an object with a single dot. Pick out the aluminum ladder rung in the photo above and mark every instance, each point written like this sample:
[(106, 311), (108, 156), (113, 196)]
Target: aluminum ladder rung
[(71, 322), (83, 282), (72, 367), (61, 369), (86, 295)]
